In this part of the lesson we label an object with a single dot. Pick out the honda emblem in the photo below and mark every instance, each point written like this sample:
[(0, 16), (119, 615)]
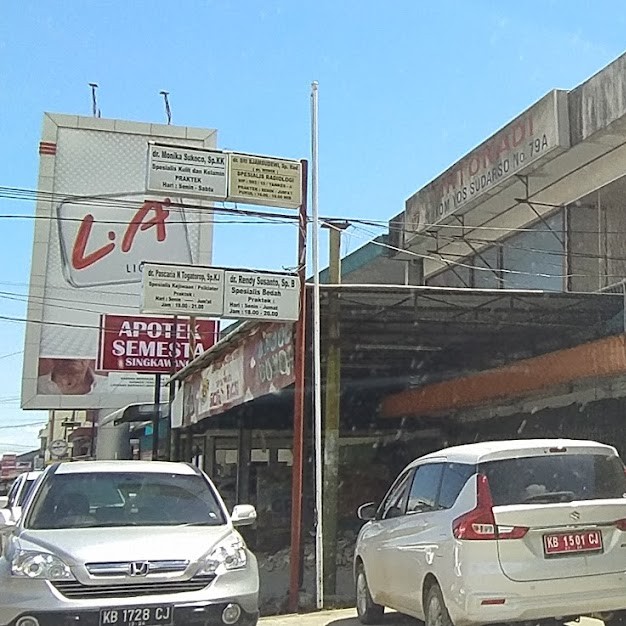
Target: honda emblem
[(139, 568)]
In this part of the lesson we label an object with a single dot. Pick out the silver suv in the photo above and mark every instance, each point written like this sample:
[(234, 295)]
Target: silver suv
[(497, 532), (127, 543)]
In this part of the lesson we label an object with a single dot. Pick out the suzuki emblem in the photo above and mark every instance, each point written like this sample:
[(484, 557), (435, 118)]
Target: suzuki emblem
[(139, 568), (575, 515)]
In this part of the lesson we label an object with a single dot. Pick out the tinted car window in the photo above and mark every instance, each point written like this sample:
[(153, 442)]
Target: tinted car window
[(394, 503), (555, 478), (123, 499), (28, 485), (455, 475), (425, 487), (13, 493)]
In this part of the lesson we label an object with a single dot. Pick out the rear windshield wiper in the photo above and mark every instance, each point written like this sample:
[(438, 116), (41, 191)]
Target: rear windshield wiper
[(550, 496)]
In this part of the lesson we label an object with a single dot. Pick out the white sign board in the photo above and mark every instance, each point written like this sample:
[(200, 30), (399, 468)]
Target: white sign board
[(183, 290), (261, 296), (58, 448), (188, 171), (218, 292)]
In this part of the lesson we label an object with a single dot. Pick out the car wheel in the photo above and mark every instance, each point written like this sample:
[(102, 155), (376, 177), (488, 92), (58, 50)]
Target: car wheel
[(435, 611), (617, 619), (367, 610)]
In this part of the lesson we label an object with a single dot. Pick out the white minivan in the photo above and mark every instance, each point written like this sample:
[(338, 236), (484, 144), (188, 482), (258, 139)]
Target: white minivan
[(498, 532)]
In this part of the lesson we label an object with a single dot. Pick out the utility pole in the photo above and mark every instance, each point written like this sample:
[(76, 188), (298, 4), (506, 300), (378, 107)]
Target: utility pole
[(332, 409), (155, 417), (317, 358)]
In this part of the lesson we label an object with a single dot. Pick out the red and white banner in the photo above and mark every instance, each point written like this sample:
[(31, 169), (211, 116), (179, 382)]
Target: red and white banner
[(137, 343), (260, 363)]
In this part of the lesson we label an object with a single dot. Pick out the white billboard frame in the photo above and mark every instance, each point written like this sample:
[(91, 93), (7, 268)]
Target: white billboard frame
[(45, 212)]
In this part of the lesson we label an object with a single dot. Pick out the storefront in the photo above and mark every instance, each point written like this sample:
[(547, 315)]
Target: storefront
[(539, 205), (502, 316)]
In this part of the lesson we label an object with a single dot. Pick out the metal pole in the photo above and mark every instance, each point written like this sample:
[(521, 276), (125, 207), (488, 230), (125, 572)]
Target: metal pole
[(155, 417), (297, 469), (317, 362), (172, 391), (92, 444)]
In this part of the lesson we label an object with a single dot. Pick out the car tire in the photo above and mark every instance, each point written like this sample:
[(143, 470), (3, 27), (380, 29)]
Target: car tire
[(368, 611), (617, 619), (435, 611)]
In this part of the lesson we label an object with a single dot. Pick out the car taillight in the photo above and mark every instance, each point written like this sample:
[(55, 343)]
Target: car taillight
[(480, 523), (621, 524)]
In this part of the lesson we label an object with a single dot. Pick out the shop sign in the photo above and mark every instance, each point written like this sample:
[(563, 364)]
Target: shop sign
[(182, 290), (536, 135), (261, 296), (264, 180), (261, 363), (269, 360), (58, 448), (220, 292), (186, 171), (222, 384), (134, 343)]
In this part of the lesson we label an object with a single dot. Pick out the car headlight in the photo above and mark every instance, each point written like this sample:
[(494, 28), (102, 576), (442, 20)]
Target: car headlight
[(229, 554), (40, 565)]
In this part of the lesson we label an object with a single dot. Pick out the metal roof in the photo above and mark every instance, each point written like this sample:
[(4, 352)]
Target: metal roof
[(436, 332), (407, 332)]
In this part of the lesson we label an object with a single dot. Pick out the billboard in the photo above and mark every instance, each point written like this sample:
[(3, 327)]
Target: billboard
[(96, 227), (146, 344)]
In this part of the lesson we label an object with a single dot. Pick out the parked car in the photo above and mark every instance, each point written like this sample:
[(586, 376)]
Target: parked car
[(11, 509), (127, 543), (498, 532), (19, 491)]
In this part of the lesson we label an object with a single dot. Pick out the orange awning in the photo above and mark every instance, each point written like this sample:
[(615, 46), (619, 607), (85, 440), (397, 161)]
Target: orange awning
[(605, 357)]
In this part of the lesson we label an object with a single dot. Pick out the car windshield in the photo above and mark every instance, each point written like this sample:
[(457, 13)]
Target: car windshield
[(555, 478), (28, 485), (118, 499)]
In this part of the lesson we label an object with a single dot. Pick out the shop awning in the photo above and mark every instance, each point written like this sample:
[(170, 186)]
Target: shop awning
[(421, 333), (135, 413), (428, 333)]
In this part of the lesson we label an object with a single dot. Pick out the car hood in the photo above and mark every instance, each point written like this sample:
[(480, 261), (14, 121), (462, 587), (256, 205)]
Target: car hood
[(141, 543)]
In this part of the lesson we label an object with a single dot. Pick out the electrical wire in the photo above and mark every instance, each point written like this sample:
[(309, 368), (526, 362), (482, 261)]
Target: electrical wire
[(6, 356)]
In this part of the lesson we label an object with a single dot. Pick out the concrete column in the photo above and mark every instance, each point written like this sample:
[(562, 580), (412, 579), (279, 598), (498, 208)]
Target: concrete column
[(331, 419)]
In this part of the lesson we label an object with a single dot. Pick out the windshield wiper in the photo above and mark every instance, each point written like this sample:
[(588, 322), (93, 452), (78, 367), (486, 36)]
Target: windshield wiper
[(550, 497)]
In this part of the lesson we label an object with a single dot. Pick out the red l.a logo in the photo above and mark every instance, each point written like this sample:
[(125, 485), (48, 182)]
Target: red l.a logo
[(151, 215)]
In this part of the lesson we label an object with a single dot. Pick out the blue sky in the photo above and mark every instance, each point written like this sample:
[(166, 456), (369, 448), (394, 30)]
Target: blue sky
[(406, 88)]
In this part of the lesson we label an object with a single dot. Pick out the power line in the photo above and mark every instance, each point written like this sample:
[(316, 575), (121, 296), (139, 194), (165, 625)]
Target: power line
[(118, 201)]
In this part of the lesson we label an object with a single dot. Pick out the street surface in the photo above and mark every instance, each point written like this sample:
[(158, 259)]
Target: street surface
[(344, 617), (347, 617)]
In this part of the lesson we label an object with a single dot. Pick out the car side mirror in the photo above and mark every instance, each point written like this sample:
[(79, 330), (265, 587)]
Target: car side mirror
[(367, 512), (243, 515), (6, 520)]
